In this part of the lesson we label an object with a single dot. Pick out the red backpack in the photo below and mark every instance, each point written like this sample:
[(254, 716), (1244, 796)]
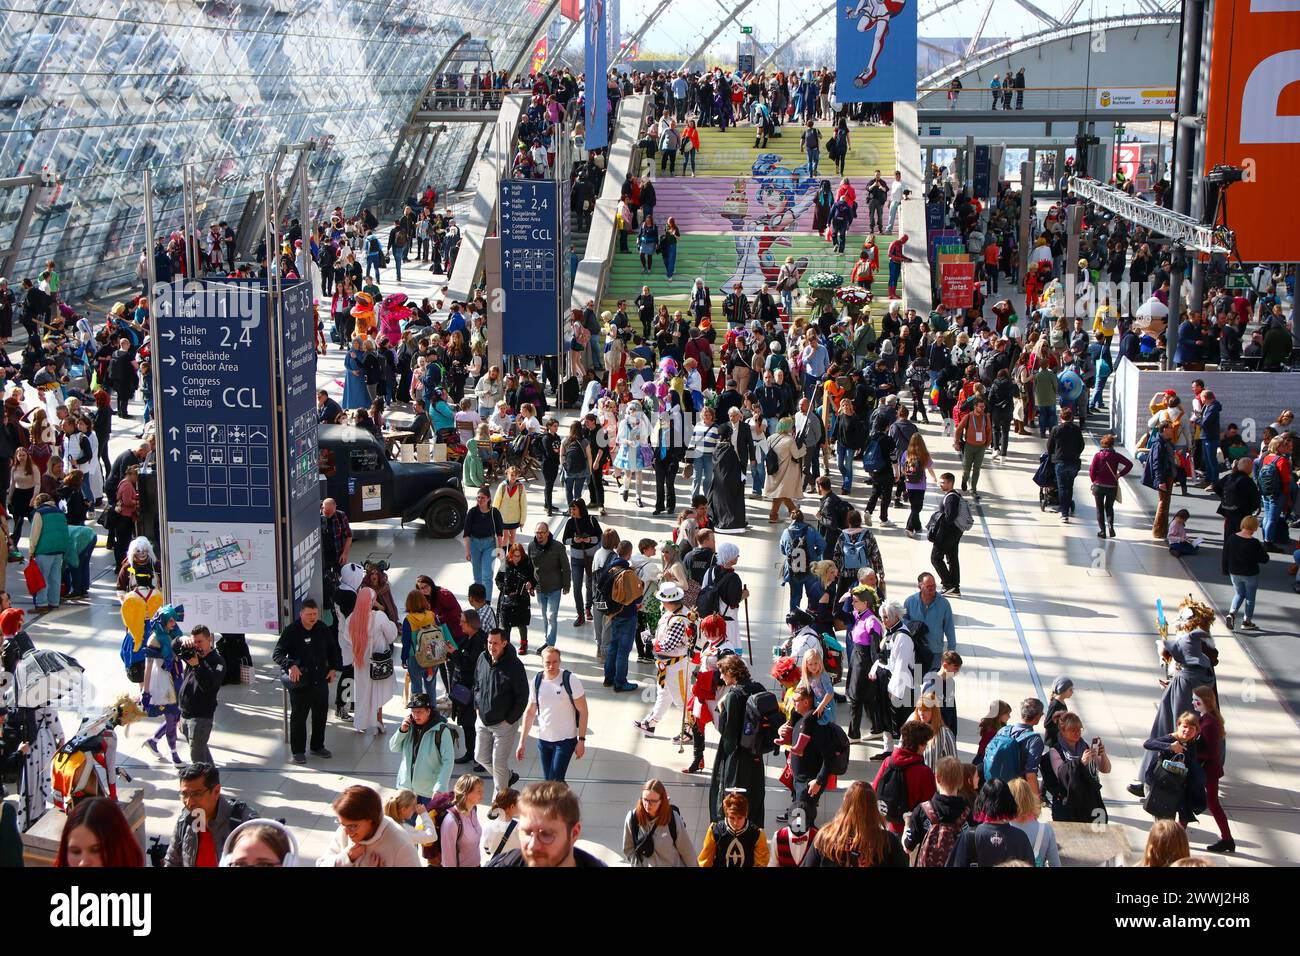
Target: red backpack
[(939, 839)]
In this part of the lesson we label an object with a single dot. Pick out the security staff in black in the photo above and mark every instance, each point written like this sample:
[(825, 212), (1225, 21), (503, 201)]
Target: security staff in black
[(310, 660)]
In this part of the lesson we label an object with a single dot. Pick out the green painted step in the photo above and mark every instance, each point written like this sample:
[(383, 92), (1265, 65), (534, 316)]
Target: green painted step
[(733, 154)]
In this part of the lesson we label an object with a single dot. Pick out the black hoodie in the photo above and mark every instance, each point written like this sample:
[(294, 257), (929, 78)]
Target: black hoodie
[(947, 808)]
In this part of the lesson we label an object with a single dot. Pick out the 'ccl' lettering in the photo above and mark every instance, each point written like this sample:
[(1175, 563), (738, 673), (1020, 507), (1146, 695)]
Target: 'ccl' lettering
[(542, 234), (240, 398)]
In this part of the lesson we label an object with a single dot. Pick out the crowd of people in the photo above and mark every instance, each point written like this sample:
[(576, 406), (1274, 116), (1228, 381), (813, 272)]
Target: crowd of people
[(808, 410)]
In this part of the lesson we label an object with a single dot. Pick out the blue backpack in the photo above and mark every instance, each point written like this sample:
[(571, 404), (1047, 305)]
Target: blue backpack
[(1270, 478), (853, 552), (872, 458), (1003, 758)]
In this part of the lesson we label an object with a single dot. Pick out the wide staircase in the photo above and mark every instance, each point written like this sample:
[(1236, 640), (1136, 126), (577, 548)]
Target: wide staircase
[(746, 210)]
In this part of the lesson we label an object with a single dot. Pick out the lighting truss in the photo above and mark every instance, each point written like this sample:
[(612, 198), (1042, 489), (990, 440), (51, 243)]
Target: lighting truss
[(1184, 230)]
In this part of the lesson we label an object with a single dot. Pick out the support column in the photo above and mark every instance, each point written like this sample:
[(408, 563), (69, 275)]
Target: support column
[(1184, 157), (1026, 214)]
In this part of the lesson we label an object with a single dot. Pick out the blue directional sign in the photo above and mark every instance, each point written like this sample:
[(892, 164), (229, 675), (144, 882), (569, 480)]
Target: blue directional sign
[(530, 266), (217, 405), (216, 420), (297, 379)]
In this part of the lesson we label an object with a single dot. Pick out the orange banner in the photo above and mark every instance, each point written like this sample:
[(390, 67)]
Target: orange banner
[(1253, 120)]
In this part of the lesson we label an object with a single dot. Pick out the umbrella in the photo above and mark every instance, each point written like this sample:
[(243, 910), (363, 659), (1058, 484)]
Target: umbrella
[(45, 678)]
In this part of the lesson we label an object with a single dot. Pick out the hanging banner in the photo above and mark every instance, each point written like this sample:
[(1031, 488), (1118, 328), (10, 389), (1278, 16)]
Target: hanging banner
[(572, 9), (1136, 98), (875, 51), (1252, 121), (958, 285), (596, 66), (538, 59)]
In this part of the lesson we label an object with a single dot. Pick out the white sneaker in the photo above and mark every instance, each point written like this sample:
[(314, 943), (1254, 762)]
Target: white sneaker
[(886, 524)]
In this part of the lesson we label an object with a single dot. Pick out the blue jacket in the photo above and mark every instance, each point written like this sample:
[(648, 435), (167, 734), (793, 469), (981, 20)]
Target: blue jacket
[(813, 541), (1188, 350), (1159, 469), (941, 633), (1210, 421)]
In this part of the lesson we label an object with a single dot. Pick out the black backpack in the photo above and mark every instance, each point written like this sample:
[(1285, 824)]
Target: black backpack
[(575, 458), (836, 753), (772, 461), (762, 723), (892, 793), (710, 599)]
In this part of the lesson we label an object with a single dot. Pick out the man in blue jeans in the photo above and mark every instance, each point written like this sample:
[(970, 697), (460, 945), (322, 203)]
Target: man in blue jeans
[(620, 623), (558, 703), (551, 566)]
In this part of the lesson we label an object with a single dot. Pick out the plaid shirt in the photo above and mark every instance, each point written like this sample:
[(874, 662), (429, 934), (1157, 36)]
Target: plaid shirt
[(339, 530)]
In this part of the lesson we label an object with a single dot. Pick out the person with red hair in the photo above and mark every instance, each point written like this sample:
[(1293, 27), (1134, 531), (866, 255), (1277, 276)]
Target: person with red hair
[(704, 689), (372, 635), (97, 833)]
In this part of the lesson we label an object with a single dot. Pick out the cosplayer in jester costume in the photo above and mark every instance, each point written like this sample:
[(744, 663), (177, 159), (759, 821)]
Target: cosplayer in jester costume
[(673, 642)]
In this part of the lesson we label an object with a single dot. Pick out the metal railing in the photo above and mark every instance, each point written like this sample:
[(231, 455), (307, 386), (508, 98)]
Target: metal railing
[(1044, 98)]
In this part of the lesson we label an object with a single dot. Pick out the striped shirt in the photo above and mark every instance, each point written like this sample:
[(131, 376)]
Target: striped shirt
[(704, 440)]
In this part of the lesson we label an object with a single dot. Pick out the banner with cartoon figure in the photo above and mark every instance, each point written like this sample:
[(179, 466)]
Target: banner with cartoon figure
[(595, 87), (875, 51)]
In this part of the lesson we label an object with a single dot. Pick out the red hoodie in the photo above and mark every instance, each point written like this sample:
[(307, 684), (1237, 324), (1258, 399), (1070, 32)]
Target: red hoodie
[(919, 777)]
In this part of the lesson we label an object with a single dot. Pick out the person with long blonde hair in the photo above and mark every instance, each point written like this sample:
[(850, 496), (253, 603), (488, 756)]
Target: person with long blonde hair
[(856, 836), (913, 465), (943, 743), (1166, 844), (372, 635)]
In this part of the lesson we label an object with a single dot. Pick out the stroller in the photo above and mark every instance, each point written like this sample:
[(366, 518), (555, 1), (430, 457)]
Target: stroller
[(1045, 479)]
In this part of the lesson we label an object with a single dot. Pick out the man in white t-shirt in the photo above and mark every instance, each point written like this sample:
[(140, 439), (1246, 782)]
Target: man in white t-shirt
[(558, 703), (895, 200)]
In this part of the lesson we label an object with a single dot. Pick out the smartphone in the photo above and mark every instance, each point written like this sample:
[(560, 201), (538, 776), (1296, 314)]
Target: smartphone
[(1096, 741)]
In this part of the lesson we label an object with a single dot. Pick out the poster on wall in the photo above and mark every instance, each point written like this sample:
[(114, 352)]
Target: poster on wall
[(596, 65), (225, 574), (958, 285), (1136, 98), (875, 51)]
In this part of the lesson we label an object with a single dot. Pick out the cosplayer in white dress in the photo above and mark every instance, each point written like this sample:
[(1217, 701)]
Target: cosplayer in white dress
[(371, 633)]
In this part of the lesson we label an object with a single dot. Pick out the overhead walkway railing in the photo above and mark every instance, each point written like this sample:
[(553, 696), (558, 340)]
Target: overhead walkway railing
[(1099, 103), (624, 157), (498, 150)]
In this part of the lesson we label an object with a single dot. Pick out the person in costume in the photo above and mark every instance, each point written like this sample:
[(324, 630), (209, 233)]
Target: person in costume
[(712, 635), (139, 605), (355, 393), (1190, 658), (634, 450), (727, 490), (32, 734), (735, 841), (163, 672), (674, 639), (733, 766), (372, 635)]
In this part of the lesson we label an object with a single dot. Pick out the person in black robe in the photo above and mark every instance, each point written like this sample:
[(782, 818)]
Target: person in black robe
[(734, 767), (727, 493)]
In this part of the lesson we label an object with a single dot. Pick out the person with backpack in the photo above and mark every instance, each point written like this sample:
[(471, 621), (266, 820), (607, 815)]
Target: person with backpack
[(557, 701), (818, 751), (935, 824), (879, 461), (734, 840), (850, 435), (1065, 447), (832, 515), (802, 546), (1017, 749), (1274, 479), (739, 760), (949, 522), (618, 595), (783, 463), (895, 674), (995, 840), (903, 779), (419, 627), (1075, 790), (722, 592), (654, 833), (856, 551), (427, 761)]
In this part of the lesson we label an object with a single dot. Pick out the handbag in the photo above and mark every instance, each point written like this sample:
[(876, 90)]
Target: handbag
[(461, 694), (246, 674), (381, 665), (108, 518), (1165, 789), (645, 456), (34, 578)]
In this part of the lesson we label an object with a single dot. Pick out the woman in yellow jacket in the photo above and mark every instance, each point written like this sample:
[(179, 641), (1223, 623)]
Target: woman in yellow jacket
[(511, 500)]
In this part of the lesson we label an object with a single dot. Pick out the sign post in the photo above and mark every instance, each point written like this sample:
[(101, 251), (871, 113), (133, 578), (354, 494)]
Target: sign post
[(530, 266)]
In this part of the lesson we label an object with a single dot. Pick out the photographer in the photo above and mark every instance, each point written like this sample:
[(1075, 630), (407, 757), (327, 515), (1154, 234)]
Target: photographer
[(1076, 794), (310, 658), (205, 672), (206, 819)]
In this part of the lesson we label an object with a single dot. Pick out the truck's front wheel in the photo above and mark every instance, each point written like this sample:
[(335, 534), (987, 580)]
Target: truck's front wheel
[(444, 518)]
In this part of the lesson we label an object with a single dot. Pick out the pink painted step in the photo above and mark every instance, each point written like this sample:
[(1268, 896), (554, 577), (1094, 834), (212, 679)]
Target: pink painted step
[(734, 204)]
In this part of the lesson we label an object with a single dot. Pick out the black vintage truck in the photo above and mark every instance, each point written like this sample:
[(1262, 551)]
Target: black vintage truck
[(367, 486)]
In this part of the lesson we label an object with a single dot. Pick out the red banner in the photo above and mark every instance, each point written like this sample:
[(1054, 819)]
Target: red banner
[(571, 9), (539, 56), (957, 288), (1253, 121)]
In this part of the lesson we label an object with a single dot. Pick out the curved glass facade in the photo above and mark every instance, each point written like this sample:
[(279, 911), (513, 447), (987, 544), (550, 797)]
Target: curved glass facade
[(100, 90)]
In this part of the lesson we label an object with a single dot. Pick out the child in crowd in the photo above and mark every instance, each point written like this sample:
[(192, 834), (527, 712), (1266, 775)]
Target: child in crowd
[(487, 617), (1179, 544)]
